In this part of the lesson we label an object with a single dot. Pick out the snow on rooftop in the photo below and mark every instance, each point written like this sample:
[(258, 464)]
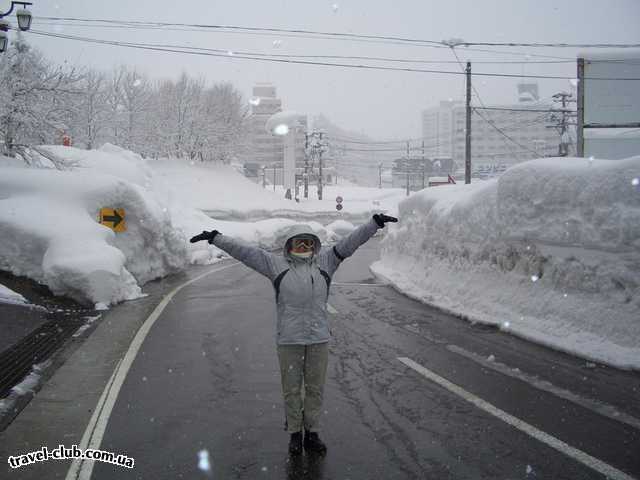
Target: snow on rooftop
[(610, 54)]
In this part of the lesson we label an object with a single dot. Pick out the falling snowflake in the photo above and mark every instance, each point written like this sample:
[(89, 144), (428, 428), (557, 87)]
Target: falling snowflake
[(264, 469), (506, 324), (137, 82), (635, 182), (529, 470), (230, 53), (144, 379), (203, 461), (281, 129), (534, 278), (170, 370), (277, 43), (255, 101), (565, 295), (491, 358), (237, 349), (335, 7)]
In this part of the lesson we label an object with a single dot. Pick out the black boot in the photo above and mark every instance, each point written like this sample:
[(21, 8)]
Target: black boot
[(295, 443), (312, 443)]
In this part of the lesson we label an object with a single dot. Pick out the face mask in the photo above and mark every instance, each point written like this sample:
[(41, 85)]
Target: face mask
[(302, 254)]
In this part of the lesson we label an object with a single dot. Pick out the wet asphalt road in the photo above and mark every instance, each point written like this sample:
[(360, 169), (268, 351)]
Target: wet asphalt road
[(206, 378)]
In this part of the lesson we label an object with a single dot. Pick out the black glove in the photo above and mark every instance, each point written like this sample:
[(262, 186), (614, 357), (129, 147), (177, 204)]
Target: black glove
[(205, 236), (381, 219)]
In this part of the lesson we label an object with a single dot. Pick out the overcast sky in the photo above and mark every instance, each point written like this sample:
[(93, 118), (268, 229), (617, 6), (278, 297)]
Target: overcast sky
[(384, 105)]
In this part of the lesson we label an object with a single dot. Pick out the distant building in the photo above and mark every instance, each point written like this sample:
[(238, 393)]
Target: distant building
[(266, 149), (523, 122), (437, 129)]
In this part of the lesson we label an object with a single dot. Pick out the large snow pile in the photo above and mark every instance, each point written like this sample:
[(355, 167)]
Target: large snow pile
[(49, 229), (549, 251)]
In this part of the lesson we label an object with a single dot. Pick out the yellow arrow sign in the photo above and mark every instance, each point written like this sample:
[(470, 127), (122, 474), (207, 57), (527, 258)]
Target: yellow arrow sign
[(113, 218)]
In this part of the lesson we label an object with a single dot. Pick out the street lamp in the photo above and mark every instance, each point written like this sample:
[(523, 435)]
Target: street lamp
[(24, 18), (4, 27), (285, 124), (24, 22)]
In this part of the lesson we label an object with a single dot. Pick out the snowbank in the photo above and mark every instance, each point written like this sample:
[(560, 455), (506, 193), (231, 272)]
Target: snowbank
[(549, 251), (49, 229), (8, 296)]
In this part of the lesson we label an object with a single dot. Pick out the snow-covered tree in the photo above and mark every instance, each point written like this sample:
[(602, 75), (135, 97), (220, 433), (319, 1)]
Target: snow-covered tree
[(35, 96), (91, 115), (184, 118), (136, 95)]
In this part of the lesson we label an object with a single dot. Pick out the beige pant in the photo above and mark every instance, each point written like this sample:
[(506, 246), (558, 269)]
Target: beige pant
[(303, 367)]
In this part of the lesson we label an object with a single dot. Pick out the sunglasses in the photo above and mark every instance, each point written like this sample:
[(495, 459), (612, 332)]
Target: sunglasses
[(302, 243)]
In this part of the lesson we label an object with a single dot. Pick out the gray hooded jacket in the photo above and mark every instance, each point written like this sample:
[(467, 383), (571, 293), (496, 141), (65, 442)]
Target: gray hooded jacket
[(301, 285)]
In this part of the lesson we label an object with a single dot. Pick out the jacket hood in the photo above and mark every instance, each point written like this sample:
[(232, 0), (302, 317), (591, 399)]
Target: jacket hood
[(299, 230)]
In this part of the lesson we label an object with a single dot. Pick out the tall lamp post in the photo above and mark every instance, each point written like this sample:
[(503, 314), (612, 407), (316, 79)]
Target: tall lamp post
[(286, 124), (24, 22)]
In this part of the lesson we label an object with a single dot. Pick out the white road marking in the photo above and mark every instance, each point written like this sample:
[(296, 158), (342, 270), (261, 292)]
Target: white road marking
[(354, 284), (331, 310), (596, 406), (92, 437), (551, 441)]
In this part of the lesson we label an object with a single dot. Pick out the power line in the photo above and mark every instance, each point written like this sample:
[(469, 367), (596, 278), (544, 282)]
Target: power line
[(505, 109), (490, 122), (230, 54), (436, 44), (432, 43), (290, 32), (386, 59), (373, 142)]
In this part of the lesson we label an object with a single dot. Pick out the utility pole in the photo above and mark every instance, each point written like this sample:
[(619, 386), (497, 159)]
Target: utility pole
[(467, 149), (274, 177), (424, 166), (380, 175), (580, 120), (306, 165), (562, 126), (320, 168), (407, 168)]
